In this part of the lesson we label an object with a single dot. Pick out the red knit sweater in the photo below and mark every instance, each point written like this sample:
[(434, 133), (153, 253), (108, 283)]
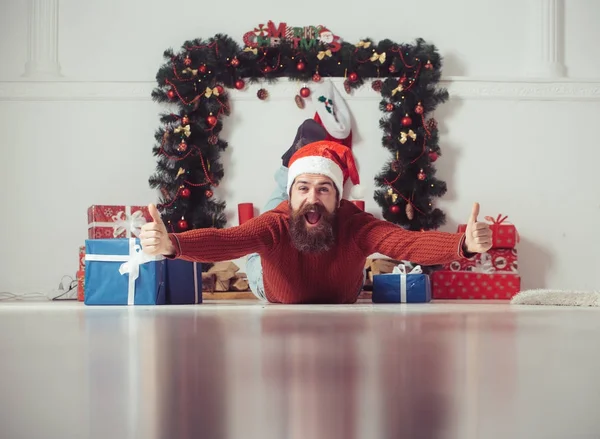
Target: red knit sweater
[(334, 276)]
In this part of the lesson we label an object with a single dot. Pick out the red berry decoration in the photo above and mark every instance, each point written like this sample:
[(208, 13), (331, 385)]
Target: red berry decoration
[(403, 80), (395, 209), (202, 69), (220, 89), (433, 156), (262, 94), (186, 193), (305, 92), (213, 140), (406, 121), (211, 120), (353, 77), (187, 61), (429, 66), (185, 120), (235, 62), (240, 84), (183, 225), (389, 107), (316, 77), (377, 85), (419, 108), (421, 175), (300, 66), (392, 68), (182, 146), (268, 69), (170, 94), (208, 193)]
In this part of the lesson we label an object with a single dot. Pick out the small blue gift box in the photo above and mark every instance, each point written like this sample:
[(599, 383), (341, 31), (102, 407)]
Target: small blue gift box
[(402, 287), (184, 282), (118, 272)]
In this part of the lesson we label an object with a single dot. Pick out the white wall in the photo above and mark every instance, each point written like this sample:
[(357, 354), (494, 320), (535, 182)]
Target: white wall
[(499, 124)]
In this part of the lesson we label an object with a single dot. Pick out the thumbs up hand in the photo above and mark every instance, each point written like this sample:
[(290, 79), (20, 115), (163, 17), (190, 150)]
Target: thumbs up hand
[(478, 236), (154, 236)]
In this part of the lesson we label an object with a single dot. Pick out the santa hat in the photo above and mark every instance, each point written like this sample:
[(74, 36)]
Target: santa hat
[(333, 113), (328, 158)]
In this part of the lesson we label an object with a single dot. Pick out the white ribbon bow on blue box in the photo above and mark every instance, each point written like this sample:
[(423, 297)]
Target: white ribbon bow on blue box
[(401, 286)]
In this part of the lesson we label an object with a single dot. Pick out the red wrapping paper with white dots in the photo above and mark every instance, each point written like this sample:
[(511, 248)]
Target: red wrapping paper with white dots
[(505, 234), (467, 285), (503, 259)]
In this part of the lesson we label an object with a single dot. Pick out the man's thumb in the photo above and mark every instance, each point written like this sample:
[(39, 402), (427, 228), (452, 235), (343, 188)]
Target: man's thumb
[(474, 213), (155, 214)]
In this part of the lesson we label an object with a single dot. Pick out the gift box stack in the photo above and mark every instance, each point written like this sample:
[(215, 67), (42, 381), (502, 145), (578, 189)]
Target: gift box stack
[(490, 275), (115, 271)]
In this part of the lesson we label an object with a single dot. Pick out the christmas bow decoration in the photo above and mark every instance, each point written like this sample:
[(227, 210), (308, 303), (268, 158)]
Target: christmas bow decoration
[(397, 89), (364, 44), (401, 269), (194, 72), (499, 220), (183, 129), (324, 53), (378, 57), (404, 136), (251, 49), (211, 91), (132, 223), (392, 194)]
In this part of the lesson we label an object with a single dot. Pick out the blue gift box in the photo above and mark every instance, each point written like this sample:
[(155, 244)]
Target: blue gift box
[(184, 282), (401, 288), (118, 272)]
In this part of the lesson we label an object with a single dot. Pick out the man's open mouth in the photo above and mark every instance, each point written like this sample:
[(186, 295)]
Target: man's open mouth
[(312, 218)]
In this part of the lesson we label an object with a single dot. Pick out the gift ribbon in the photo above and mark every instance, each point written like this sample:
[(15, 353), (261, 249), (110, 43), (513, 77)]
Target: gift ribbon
[(401, 270), (126, 222), (131, 264), (499, 220)]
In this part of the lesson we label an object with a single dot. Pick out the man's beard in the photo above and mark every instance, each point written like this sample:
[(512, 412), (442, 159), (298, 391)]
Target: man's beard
[(313, 239)]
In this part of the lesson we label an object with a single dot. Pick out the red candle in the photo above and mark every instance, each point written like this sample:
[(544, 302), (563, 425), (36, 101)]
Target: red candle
[(245, 212), (360, 204)]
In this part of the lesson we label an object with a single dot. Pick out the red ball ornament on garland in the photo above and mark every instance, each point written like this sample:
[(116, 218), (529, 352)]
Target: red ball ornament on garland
[(392, 68), (433, 156), (240, 84), (185, 193), (182, 146), (421, 175), (377, 85), (211, 120), (208, 193), (185, 120), (170, 94), (353, 77), (268, 69), (187, 61), (220, 89), (316, 77), (305, 92), (202, 69), (419, 108), (183, 225), (389, 107), (403, 80), (395, 209), (262, 94), (235, 62), (406, 121), (300, 66)]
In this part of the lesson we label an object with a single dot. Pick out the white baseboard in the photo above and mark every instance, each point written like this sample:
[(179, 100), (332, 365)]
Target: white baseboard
[(459, 88)]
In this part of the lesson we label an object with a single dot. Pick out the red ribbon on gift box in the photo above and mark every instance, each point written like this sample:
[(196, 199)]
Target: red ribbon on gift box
[(499, 220)]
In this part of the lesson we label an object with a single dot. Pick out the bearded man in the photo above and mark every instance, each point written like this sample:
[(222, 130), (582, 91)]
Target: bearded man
[(312, 247)]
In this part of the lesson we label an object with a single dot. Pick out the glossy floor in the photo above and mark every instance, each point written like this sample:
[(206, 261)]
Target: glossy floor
[(245, 370)]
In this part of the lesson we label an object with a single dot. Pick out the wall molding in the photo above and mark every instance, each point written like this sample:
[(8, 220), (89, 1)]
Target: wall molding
[(518, 89)]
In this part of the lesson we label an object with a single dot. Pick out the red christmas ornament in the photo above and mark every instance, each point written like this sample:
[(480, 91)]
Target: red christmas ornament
[(429, 66), (240, 84), (202, 69), (182, 146), (235, 62), (305, 92), (377, 85), (185, 120), (392, 68), (183, 225), (208, 193), (433, 156), (220, 89), (353, 77), (170, 94), (213, 140), (389, 107), (187, 61), (268, 69), (421, 175), (300, 66), (262, 94), (419, 108), (316, 77), (395, 209), (186, 193), (211, 120), (403, 80), (406, 121)]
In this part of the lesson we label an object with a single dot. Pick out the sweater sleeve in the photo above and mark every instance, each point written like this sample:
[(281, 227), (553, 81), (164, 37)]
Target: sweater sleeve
[(258, 235), (373, 235)]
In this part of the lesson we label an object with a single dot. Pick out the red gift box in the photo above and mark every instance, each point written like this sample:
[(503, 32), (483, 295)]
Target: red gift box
[(82, 258), (80, 286), (473, 285), (502, 259), (107, 222), (504, 234)]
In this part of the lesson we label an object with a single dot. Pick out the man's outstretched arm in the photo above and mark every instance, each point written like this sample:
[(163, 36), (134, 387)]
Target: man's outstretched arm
[(208, 244)]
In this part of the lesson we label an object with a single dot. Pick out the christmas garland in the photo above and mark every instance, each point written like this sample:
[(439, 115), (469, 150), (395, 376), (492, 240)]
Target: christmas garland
[(197, 78)]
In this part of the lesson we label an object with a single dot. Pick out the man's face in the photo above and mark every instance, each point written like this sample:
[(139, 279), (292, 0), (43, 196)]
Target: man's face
[(313, 200)]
